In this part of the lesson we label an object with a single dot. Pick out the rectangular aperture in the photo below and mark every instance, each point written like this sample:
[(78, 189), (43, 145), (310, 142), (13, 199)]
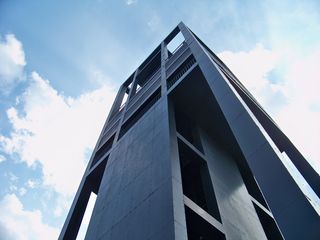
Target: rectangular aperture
[(196, 181), (140, 112), (198, 228), (177, 74), (188, 129), (269, 225), (102, 150)]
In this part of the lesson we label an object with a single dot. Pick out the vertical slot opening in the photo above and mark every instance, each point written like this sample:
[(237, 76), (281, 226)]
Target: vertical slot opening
[(268, 224), (304, 186), (83, 209), (200, 229), (196, 181), (86, 217)]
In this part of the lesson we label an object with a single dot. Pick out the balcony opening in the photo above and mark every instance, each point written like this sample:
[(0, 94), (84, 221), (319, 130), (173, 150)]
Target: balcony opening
[(148, 71), (268, 224), (188, 129), (140, 112), (180, 71), (196, 181), (198, 228), (103, 150), (175, 44)]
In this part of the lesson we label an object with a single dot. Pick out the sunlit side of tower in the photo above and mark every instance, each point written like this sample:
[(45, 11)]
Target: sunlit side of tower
[(188, 153)]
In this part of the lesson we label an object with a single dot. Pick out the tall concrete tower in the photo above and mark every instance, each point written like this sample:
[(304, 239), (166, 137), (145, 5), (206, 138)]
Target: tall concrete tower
[(188, 153)]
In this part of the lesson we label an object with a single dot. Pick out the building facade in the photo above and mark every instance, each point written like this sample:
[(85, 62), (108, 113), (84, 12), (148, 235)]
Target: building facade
[(188, 153)]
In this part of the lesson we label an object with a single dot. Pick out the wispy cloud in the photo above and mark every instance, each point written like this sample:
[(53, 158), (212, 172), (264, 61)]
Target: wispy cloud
[(252, 68), (56, 131), (154, 22), (12, 62)]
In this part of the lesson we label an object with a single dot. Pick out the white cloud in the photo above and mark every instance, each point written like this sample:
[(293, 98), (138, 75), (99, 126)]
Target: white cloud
[(22, 191), (299, 85), (252, 68), (62, 206), (298, 120), (12, 62), (2, 158), (16, 223), (130, 2), (57, 131), (11, 176), (31, 184)]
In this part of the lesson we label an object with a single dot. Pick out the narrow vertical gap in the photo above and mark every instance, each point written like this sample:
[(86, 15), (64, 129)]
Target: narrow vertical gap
[(86, 217), (304, 186), (81, 215)]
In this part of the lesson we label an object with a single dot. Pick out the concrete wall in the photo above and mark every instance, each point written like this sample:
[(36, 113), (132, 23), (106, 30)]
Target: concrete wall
[(238, 215), (135, 196)]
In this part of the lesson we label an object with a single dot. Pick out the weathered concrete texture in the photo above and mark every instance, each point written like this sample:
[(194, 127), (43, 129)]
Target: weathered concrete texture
[(238, 215), (135, 196)]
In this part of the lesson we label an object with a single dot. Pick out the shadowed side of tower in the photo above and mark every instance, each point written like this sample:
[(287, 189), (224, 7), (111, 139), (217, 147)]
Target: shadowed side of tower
[(187, 153)]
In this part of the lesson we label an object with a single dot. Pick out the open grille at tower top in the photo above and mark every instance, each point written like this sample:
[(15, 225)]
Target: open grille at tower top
[(187, 153)]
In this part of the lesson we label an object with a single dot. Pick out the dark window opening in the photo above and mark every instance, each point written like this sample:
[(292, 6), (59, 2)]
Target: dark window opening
[(269, 225), (196, 181), (177, 74), (147, 72), (102, 150), (188, 129), (200, 229), (140, 112)]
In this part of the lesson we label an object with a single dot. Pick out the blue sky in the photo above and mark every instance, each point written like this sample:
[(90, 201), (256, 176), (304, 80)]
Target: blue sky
[(61, 63)]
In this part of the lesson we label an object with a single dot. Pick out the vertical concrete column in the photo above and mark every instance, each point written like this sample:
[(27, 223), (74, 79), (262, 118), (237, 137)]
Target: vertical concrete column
[(164, 56), (125, 107), (117, 102), (72, 224), (134, 84), (177, 191)]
